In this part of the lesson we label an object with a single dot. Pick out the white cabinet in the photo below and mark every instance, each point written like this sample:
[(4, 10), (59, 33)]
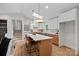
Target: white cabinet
[(68, 16), (38, 25), (69, 29), (50, 24), (67, 34), (41, 25), (53, 23)]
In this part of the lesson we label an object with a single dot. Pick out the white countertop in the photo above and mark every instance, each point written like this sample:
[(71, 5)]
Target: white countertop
[(39, 37)]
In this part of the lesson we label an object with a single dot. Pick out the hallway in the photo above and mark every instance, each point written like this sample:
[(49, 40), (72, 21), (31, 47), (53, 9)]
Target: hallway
[(17, 34)]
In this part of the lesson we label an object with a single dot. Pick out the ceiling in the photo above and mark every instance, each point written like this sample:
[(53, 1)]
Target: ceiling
[(25, 9)]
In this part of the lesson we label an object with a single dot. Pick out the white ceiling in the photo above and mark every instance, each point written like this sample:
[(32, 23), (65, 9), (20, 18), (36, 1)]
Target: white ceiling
[(25, 9)]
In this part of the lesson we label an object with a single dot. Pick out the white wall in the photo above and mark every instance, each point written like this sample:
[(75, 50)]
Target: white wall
[(77, 36), (10, 28)]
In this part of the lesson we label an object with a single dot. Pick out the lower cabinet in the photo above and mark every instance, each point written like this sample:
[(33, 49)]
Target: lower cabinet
[(55, 40), (45, 48)]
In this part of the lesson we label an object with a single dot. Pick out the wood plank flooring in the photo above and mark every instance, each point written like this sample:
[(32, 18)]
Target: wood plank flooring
[(56, 50), (62, 51)]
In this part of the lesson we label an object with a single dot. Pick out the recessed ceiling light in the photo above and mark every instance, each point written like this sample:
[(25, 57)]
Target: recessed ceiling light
[(46, 6)]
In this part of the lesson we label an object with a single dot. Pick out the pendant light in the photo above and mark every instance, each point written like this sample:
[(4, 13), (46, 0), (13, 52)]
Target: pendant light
[(39, 18)]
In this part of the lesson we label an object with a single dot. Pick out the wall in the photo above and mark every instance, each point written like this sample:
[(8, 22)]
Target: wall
[(10, 28), (77, 36)]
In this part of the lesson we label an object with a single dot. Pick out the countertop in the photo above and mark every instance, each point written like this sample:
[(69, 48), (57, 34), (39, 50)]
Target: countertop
[(39, 37)]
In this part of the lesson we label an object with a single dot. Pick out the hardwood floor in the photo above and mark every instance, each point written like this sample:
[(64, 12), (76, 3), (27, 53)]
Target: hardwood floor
[(56, 51), (62, 51)]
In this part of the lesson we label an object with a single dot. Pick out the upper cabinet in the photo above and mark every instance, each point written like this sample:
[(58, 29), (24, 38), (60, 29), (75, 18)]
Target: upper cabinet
[(53, 23), (69, 29), (41, 25), (68, 16), (38, 25)]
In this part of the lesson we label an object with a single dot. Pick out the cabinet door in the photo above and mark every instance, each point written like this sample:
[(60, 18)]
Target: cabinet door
[(41, 25), (55, 39), (50, 24), (68, 16), (45, 47), (55, 23)]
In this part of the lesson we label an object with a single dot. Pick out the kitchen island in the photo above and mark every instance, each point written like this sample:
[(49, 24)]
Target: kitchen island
[(44, 44)]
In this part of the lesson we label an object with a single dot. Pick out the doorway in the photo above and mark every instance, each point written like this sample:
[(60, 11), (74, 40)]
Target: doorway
[(17, 29)]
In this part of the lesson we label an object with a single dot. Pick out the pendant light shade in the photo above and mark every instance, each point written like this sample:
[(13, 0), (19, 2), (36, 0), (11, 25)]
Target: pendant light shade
[(38, 16), (39, 20)]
